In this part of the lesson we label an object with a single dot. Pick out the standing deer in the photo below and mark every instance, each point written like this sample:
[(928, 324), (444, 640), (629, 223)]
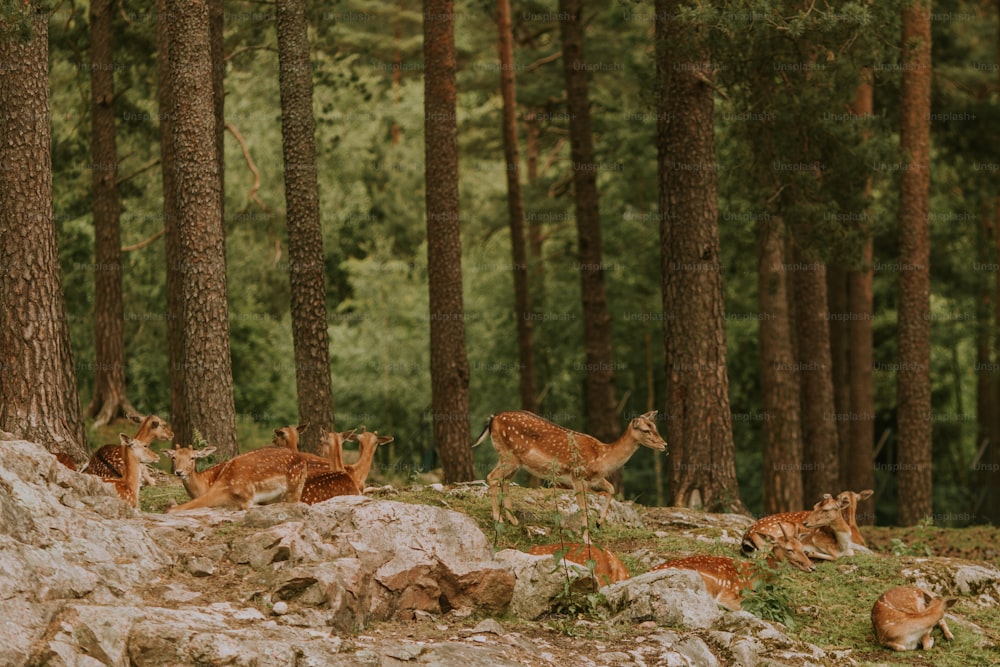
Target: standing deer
[(109, 460), (367, 443), (725, 578), (259, 477), (608, 568), (137, 453), (904, 617), (185, 460), (550, 451)]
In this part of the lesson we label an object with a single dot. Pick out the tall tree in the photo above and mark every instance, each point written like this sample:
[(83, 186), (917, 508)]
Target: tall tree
[(699, 422), (820, 446), (38, 396), (208, 378), (837, 304), (175, 303), (913, 386), (602, 421), (857, 472), (779, 383), (305, 235), (515, 207), (449, 362), (109, 400)]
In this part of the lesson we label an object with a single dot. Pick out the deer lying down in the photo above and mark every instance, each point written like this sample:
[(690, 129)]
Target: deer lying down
[(726, 579), (904, 617), (608, 568), (259, 477), (332, 459), (826, 534), (185, 460), (109, 460), (137, 453), (550, 451)]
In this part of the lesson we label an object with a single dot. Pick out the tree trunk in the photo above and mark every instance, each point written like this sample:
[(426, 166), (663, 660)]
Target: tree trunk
[(175, 305), (837, 305), (820, 448), (208, 379), (109, 400), (305, 235), (449, 362), (913, 389), (38, 393), (216, 30), (859, 473), (515, 205), (779, 383), (699, 422), (602, 422)]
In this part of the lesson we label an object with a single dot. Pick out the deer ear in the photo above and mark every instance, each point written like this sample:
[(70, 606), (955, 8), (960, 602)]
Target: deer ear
[(348, 435), (134, 418), (277, 432), (204, 452), (385, 439), (302, 427), (124, 438), (651, 415), (866, 494)]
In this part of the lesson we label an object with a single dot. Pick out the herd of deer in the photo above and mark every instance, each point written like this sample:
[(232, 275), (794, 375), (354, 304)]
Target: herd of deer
[(903, 617)]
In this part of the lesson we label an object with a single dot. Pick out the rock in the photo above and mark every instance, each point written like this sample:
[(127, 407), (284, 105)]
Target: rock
[(697, 651), (670, 597), (280, 608), (539, 580)]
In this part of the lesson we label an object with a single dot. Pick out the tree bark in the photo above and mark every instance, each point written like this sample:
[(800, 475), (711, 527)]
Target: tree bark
[(175, 306), (305, 235), (38, 393), (859, 473), (208, 379), (837, 304), (820, 448), (602, 422), (515, 206), (449, 362), (779, 383), (699, 422), (109, 400), (913, 389)]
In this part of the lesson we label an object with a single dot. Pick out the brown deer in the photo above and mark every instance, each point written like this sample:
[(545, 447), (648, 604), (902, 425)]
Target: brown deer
[(109, 460), (259, 477), (725, 578), (367, 443), (137, 453), (827, 535), (608, 568), (322, 486), (850, 512), (550, 451), (288, 437), (184, 464), (66, 460), (904, 617)]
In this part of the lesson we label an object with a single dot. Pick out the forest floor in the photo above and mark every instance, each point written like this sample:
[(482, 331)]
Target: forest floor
[(829, 608)]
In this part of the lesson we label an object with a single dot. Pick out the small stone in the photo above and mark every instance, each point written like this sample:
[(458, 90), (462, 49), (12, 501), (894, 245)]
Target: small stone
[(280, 608)]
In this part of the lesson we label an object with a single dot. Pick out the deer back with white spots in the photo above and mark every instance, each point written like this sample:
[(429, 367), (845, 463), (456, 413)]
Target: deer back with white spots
[(550, 451)]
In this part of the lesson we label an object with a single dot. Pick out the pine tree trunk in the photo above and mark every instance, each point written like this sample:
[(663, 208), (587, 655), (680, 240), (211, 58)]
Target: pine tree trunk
[(515, 206), (779, 383), (913, 389), (449, 362), (699, 423), (305, 235), (216, 30), (598, 365), (837, 304), (820, 448), (38, 393), (859, 473), (208, 379), (109, 399), (175, 306)]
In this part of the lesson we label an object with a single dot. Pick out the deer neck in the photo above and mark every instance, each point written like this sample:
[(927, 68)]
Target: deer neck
[(197, 483), (359, 471), (616, 455), (145, 433), (336, 455), (132, 470)]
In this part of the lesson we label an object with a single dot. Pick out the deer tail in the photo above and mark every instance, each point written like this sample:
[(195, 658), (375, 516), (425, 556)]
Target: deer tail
[(486, 431)]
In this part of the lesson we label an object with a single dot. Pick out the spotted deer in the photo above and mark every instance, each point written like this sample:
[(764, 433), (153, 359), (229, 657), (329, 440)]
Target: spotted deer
[(608, 568), (726, 579), (550, 451), (259, 477), (109, 460), (137, 453), (903, 617), (824, 532), (331, 457), (335, 480), (184, 464)]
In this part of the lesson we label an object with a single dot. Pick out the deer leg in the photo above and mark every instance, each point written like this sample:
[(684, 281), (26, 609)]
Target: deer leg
[(945, 630), (296, 481), (606, 489), (496, 479)]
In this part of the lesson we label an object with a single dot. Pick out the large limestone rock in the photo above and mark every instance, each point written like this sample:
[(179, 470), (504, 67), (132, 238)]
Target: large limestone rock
[(539, 581)]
